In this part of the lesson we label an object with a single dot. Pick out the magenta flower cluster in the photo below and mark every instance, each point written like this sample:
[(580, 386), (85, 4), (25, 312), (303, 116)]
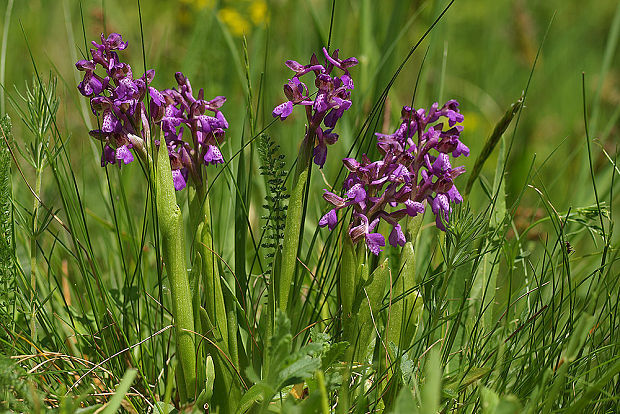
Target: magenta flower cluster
[(118, 98), (174, 110), (415, 170), (328, 104)]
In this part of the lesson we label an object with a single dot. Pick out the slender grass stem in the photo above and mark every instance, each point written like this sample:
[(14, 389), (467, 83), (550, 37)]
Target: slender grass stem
[(33, 255), (5, 42)]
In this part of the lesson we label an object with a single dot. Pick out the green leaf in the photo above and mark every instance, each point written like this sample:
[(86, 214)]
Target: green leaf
[(594, 389), (285, 366), (333, 354), (90, 409), (432, 388), (164, 408), (255, 394), (7, 250), (405, 404), (467, 379), (298, 371), (492, 403), (122, 389), (578, 337)]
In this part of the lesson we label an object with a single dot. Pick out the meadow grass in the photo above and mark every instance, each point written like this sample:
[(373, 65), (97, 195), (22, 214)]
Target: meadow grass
[(514, 308)]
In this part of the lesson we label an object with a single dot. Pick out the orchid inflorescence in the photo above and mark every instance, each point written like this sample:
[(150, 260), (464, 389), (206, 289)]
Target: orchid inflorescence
[(118, 97), (170, 109), (329, 103), (409, 176)]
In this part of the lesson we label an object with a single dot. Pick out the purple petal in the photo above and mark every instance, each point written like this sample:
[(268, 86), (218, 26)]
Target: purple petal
[(90, 85), (330, 220), (333, 199), (347, 82), (215, 103), (397, 237), (330, 137), (178, 180), (439, 223), (223, 122), (320, 105), (115, 41), (454, 195), (461, 149), (283, 110), (332, 117), (373, 224), (107, 157), (320, 154), (351, 164), (109, 122), (85, 65), (441, 164), (357, 193), (347, 63), (331, 59), (123, 154), (295, 66), (414, 208), (375, 242), (156, 96), (213, 155), (440, 203)]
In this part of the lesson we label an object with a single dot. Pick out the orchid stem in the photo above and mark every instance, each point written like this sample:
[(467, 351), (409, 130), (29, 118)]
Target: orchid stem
[(170, 222), (200, 209), (226, 389), (292, 229)]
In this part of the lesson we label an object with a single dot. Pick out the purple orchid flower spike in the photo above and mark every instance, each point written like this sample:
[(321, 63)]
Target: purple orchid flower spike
[(179, 110), (328, 104), (117, 96), (415, 170)]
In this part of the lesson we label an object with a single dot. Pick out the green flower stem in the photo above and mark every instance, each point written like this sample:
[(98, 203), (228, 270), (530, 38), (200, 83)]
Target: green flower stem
[(215, 317), (371, 297), (350, 273), (348, 279), (173, 241), (226, 391), (231, 320), (406, 306), (200, 210), (294, 215), (358, 329)]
